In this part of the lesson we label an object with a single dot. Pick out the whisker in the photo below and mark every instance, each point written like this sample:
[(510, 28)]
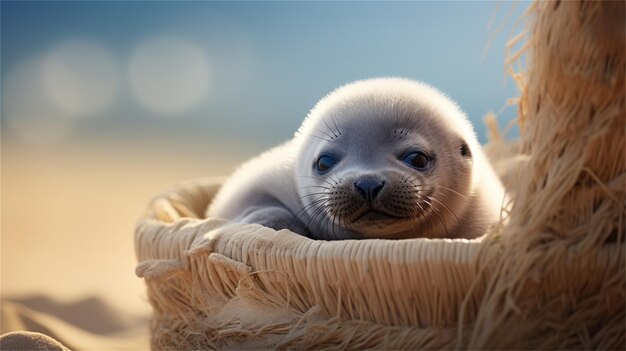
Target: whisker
[(335, 122), (312, 194), (330, 137), (405, 173), (452, 190), (439, 216), (313, 186), (447, 208), (332, 131), (328, 224), (437, 186), (317, 212), (423, 215), (303, 211), (332, 223), (320, 179), (319, 137), (395, 125), (337, 180), (311, 204)]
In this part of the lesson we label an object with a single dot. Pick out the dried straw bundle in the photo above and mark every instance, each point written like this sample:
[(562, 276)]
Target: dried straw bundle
[(553, 276), (570, 199)]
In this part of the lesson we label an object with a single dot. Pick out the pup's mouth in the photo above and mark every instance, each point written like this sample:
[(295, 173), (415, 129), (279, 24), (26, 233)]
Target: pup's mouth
[(371, 215)]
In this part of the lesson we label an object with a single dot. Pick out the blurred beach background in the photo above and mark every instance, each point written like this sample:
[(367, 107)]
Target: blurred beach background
[(106, 104)]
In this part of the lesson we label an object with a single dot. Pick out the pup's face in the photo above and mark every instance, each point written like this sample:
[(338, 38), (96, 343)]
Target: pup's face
[(382, 168)]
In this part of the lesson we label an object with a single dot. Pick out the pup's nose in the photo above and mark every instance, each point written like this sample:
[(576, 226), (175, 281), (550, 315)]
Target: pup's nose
[(369, 188)]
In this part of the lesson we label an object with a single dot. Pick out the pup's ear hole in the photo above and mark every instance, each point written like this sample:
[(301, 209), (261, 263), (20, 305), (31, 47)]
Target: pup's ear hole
[(465, 151)]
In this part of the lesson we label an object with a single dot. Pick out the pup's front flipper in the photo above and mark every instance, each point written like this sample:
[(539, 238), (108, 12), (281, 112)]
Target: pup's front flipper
[(275, 217)]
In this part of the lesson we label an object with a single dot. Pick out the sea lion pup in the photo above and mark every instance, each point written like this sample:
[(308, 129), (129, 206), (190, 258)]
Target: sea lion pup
[(381, 158)]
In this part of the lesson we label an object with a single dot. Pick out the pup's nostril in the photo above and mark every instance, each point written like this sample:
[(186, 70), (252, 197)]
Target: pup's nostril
[(360, 190), (369, 188), (377, 190)]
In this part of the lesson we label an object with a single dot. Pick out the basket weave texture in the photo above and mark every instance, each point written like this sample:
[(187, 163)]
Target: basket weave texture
[(551, 276)]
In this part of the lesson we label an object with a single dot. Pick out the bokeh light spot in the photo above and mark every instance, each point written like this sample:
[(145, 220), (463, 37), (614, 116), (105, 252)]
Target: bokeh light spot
[(26, 109), (169, 75), (80, 77)]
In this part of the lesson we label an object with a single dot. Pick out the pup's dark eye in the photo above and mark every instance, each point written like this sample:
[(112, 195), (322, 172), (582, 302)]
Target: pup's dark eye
[(417, 160), (324, 163), (465, 151)]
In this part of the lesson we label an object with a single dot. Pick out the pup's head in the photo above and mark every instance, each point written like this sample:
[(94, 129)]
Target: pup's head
[(383, 158)]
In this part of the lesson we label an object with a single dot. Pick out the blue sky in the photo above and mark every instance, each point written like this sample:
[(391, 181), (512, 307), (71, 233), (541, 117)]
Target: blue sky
[(269, 62)]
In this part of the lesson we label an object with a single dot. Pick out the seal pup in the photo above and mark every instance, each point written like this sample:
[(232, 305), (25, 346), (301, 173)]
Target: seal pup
[(380, 158)]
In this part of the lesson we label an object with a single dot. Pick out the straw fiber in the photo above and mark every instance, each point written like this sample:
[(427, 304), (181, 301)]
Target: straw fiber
[(550, 275)]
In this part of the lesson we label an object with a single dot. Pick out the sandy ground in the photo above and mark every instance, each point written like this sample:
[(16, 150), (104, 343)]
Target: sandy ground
[(67, 255)]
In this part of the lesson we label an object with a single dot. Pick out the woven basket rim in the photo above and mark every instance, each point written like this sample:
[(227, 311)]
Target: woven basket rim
[(288, 242)]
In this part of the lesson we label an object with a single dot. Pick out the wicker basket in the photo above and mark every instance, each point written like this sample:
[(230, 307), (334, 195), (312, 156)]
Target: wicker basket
[(552, 276)]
